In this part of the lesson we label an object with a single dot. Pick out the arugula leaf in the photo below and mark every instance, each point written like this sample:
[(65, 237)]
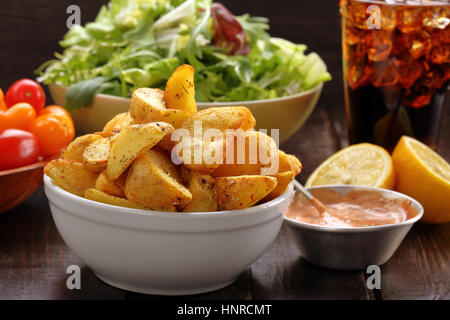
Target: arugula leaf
[(192, 50)]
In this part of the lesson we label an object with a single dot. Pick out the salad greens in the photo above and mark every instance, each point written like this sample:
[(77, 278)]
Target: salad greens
[(139, 43)]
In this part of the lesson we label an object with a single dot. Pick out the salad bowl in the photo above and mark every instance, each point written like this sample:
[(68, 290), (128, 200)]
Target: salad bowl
[(287, 114)]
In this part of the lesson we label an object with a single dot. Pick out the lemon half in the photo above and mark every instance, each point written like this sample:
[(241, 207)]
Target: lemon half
[(424, 175), (362, 164)]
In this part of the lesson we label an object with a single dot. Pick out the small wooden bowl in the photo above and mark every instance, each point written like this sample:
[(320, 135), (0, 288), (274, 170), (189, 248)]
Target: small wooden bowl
[(17, 185)]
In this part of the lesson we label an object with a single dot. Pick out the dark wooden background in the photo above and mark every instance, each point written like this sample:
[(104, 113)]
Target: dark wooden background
[(33, 257)]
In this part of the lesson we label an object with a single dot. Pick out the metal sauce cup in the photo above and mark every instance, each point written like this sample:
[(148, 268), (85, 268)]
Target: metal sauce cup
[(352, 248)]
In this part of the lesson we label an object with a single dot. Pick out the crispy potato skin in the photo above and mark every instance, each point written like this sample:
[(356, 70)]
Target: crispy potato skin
[(99, 196), (180, 90), (71, 176), (222, 118), (131, 142), (113, 188), (95, 156), (163, 161), (119, 122), (176, 117), (242, 192), (74, 151), (153, 184), (204, 198), (288, 162), (283, 179), (146, 104)]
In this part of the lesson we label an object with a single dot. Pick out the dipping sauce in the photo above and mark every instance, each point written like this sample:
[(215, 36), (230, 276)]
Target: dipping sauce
[(357, 208)]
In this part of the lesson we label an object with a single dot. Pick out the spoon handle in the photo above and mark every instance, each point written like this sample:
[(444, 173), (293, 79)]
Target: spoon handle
[(303, 190), (314, 201)]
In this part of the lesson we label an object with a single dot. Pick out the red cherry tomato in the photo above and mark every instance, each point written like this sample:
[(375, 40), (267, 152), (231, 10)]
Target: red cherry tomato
[(54, 132), (18, 148), (26, 90), (2, 101), (19, 116), (54, 109)]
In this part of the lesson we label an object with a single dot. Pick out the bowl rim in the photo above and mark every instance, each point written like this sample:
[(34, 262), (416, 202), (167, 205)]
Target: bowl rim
[(32, 166), (219, 103), (141, 212), (414, 203)]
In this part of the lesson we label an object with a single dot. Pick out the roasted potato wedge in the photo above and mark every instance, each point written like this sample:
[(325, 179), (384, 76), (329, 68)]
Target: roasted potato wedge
[(71, 176), (95, 156), (252, 142), (186, 175), (180, 90), (129, 163), (172, 116), (106, 134), (75, 149), (283, 179), (167, 144), (147, 104), (288, 162), (175, 117), (130, 142), (119, 122), (113, 188), (204, 198), (99, 196), (220, 119), (242, 191), (152, 182), (162, 160)]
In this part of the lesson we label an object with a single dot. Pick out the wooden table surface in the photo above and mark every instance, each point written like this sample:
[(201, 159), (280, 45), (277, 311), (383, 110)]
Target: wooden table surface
[(34, 258)]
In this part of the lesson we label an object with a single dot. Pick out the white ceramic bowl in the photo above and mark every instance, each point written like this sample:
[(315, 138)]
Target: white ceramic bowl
[(286, 114), (165, 253), (352, 248)]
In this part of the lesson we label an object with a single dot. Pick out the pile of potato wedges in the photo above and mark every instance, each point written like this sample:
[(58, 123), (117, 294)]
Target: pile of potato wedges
[(131, 164)]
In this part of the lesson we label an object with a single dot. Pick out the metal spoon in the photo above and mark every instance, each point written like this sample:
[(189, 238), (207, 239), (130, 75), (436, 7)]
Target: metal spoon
[(314, 201)]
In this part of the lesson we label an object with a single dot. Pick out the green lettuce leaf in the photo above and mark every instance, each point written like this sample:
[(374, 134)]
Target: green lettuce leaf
[(139, 43), (81, 94)]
